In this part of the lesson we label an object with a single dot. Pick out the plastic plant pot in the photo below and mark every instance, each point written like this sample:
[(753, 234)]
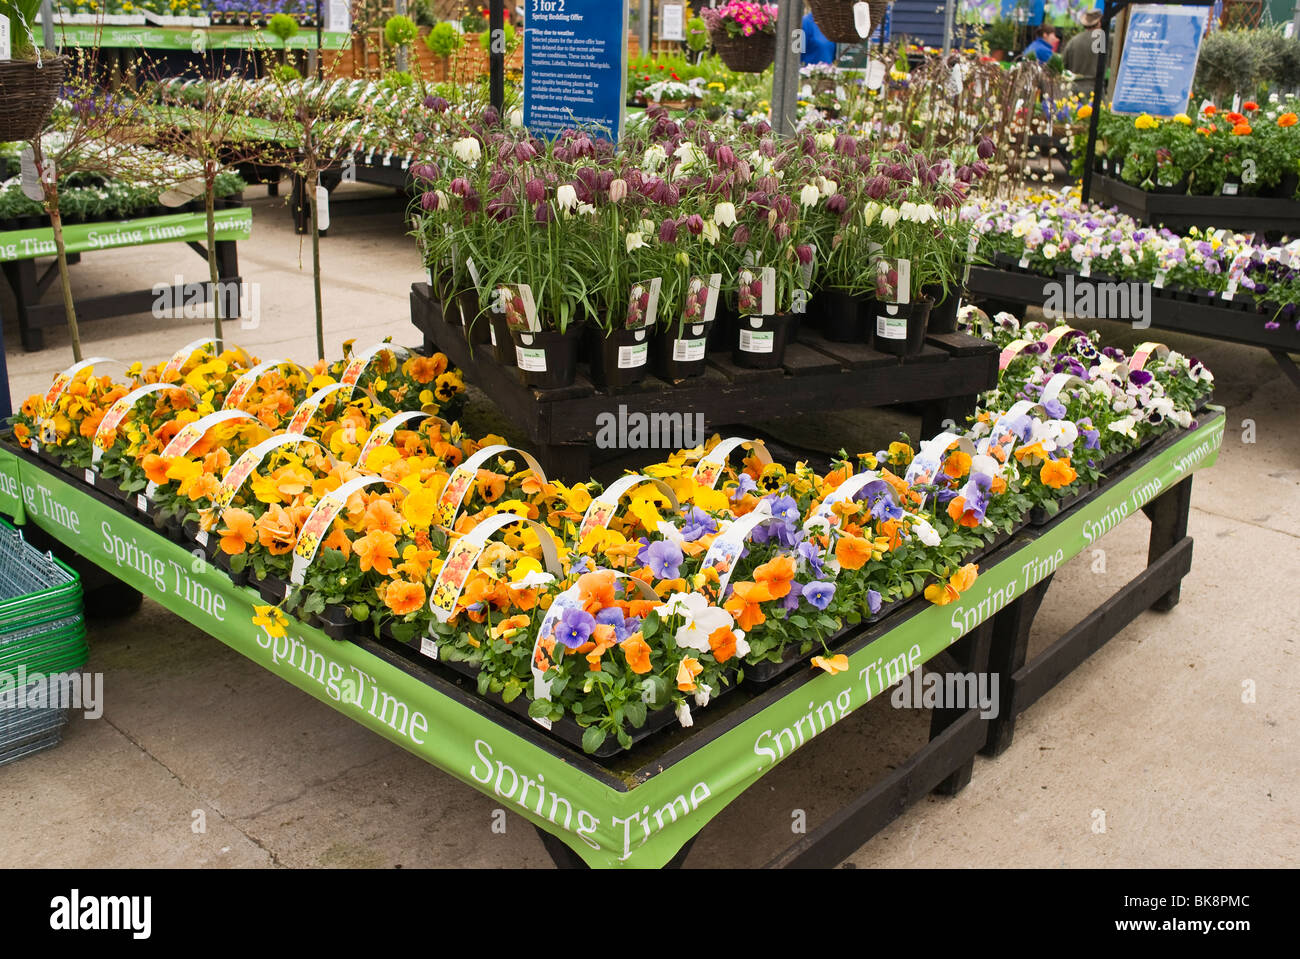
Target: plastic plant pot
[(843, 316), (620, 358), (678, 353), (761, 340), (548, 360), (900, 328)]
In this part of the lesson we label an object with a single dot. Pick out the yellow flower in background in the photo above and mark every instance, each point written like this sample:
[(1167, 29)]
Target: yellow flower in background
[(1145, 121), (380, 457), (418, 507), (1183, 118), (1084, 111)]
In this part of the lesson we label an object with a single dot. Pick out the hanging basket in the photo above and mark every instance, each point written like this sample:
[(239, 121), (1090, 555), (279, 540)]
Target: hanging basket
[(744, 54), (27, 93), (835, 17)]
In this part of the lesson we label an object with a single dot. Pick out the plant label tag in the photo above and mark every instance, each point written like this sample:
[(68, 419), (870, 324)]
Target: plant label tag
[(4, 37), (181, 193), (141, 503), (90, 477), (1236, 103), (322, 208), (1085, 268), (806, 269), (31, 181), (767, 276), (904, 281), (473, 273), (533, 361), (428, 647), (1024, 262), (891, 327), (520, 308), (643, 304), (875, 75), (756, 342), (862, 19), (388, 158), (1229, 189), (688, 351), (634, 356), (1160, 280), (971, 246), (1231, 290)]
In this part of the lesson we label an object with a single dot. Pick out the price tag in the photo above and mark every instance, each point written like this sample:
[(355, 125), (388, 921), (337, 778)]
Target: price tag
[(141, 503), (428, 647), (4, 38), (1085, 268), (90, 477), (1024, 262), (32, 181), (1231, 290), (1160, 280)]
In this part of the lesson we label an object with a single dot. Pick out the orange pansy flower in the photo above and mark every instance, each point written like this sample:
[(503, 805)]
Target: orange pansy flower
[(832, 664), (1058, 473), (852, 552), (722, 641), (637, 653), (686, 673), (376, 550), (404, 597), (238, 532), (776, 574)]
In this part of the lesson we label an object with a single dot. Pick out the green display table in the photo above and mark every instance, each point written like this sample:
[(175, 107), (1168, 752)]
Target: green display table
[(192, 39), (644, 807)]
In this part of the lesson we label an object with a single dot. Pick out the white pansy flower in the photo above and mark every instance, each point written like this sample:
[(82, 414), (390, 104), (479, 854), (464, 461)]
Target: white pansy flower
[(533, 579)]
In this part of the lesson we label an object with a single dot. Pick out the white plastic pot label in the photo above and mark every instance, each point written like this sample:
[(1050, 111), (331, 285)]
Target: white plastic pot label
[(463, 476), (761, 342), (632, 357), (533, 361), (688, 351), (891, 327)]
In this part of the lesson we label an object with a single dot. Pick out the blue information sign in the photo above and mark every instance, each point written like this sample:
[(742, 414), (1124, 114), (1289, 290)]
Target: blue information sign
[(1159, 60), (575, 66)]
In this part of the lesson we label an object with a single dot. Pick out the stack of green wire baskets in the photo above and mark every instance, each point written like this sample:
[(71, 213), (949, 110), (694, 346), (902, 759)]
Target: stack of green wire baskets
[(42, 634)]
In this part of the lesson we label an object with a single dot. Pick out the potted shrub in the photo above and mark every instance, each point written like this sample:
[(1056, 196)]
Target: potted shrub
[(29, 82), (444, 40), (743, 34)]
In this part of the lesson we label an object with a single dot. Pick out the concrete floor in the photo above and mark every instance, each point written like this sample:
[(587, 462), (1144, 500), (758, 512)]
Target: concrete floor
[(1150, 736)]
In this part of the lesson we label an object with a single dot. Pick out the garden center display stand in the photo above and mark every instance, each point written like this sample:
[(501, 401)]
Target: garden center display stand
[(1230, 321), (1241, 214), (562, 423), (20, 248), (644, 806)]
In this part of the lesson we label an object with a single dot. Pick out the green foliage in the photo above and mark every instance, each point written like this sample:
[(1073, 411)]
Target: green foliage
[(1001, 35), (697, 35), (283, 26), (286, 73), (422, 12), (397, 80), (400, 30), (1229, 64), (444, 40)]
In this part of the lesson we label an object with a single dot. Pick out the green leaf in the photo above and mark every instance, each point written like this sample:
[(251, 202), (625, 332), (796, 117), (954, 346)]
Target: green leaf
[(650, 625), (635, 712), (593, 739), (624, 739), (360, 612), (511, 691), (918, 582), (484, 679), (539, 709)]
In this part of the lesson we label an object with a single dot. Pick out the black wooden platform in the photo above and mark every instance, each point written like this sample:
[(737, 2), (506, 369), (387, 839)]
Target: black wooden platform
[(1220, 320), (369, 169), (1241, 214), (561, 424)]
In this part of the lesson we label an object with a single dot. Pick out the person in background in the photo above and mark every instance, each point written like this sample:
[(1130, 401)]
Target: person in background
[(1041, 48), (1082, 53), (817, 48)]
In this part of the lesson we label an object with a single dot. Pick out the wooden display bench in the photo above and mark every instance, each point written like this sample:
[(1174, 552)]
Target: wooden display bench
[(561, 424), (1241, 214), (993, 640), (29, 284), (1215, 319)]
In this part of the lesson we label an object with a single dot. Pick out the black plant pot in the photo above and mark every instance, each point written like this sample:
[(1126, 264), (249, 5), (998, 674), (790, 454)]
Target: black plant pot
[(761, 340), (221, 560), (1176, 189), (943, 315), (722, 334), (1286, 187), (336, 622), (548, 360), (503, 346), (678, 353), (900, 329), (844, 317), (619, 358), (273, 589)]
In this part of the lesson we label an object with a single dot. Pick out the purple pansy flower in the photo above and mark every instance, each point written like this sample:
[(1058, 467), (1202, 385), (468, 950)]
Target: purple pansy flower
[(574, 627)]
